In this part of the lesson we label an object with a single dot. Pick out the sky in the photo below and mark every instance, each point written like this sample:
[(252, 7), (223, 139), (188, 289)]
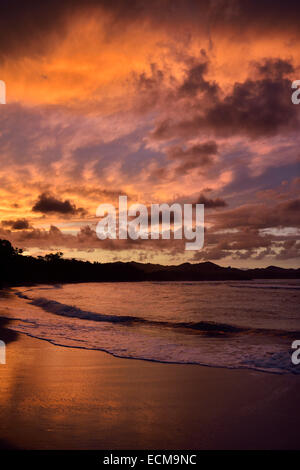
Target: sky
[(162, 101)]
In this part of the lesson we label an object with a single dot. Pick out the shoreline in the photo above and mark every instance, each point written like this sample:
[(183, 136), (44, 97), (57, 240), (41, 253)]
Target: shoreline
[(7, 331), (29, 283), (69, 398), (200, 360)]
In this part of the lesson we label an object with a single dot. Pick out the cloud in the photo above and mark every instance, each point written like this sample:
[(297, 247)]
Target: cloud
[(26, 27), (178, 95), (30, 21), (195, 83), (48, 203), (211, 203), (86, 239), (193, 156), (290, 250), (240, 244), (260, 216), (199, 153), (274, 68), (257, 107), (19, 224)]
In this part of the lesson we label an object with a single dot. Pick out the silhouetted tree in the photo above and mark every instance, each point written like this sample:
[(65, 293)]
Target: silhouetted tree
[(17, 269), (7, 251)]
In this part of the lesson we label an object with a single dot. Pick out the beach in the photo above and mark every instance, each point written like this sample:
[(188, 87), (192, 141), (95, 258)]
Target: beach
[(54, 397), (149, 229)]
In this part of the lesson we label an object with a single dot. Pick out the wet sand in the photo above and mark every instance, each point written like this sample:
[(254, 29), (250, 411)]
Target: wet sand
[(62, 398)]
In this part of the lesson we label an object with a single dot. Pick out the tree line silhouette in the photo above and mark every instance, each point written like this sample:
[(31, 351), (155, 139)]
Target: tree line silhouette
[(16, 268)]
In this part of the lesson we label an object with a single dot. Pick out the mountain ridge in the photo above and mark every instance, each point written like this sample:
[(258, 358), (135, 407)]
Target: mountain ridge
[(17, 268)]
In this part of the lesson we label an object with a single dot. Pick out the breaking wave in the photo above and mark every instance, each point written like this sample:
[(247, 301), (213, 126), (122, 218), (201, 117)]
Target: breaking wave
[(209, 328)]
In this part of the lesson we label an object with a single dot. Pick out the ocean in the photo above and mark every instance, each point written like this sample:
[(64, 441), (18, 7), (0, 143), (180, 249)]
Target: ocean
[(230, 324)]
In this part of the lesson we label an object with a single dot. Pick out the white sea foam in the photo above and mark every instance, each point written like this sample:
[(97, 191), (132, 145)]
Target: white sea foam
[(209, 323)]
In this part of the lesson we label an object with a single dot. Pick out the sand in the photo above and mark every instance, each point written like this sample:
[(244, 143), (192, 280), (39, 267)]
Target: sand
[(63, 398)]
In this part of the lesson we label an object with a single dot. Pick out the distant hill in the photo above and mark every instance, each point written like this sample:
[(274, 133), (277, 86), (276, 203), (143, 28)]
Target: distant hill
[(18, 269)]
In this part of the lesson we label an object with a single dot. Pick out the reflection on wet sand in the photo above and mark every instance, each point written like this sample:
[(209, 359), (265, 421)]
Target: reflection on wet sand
[(63, 398)]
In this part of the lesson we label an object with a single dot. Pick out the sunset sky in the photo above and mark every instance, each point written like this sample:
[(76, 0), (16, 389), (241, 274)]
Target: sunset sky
[(162, 101)]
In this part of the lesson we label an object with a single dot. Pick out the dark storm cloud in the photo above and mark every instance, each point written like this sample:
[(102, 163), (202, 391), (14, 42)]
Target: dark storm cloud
[(24, 26), (265, 15), (47, 203), (149, 82), (200, 152), (151, 88), (274, 68), (256, 108), (259, 106), (211, 203), (19, 224), (194, 156), (195, 82)]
